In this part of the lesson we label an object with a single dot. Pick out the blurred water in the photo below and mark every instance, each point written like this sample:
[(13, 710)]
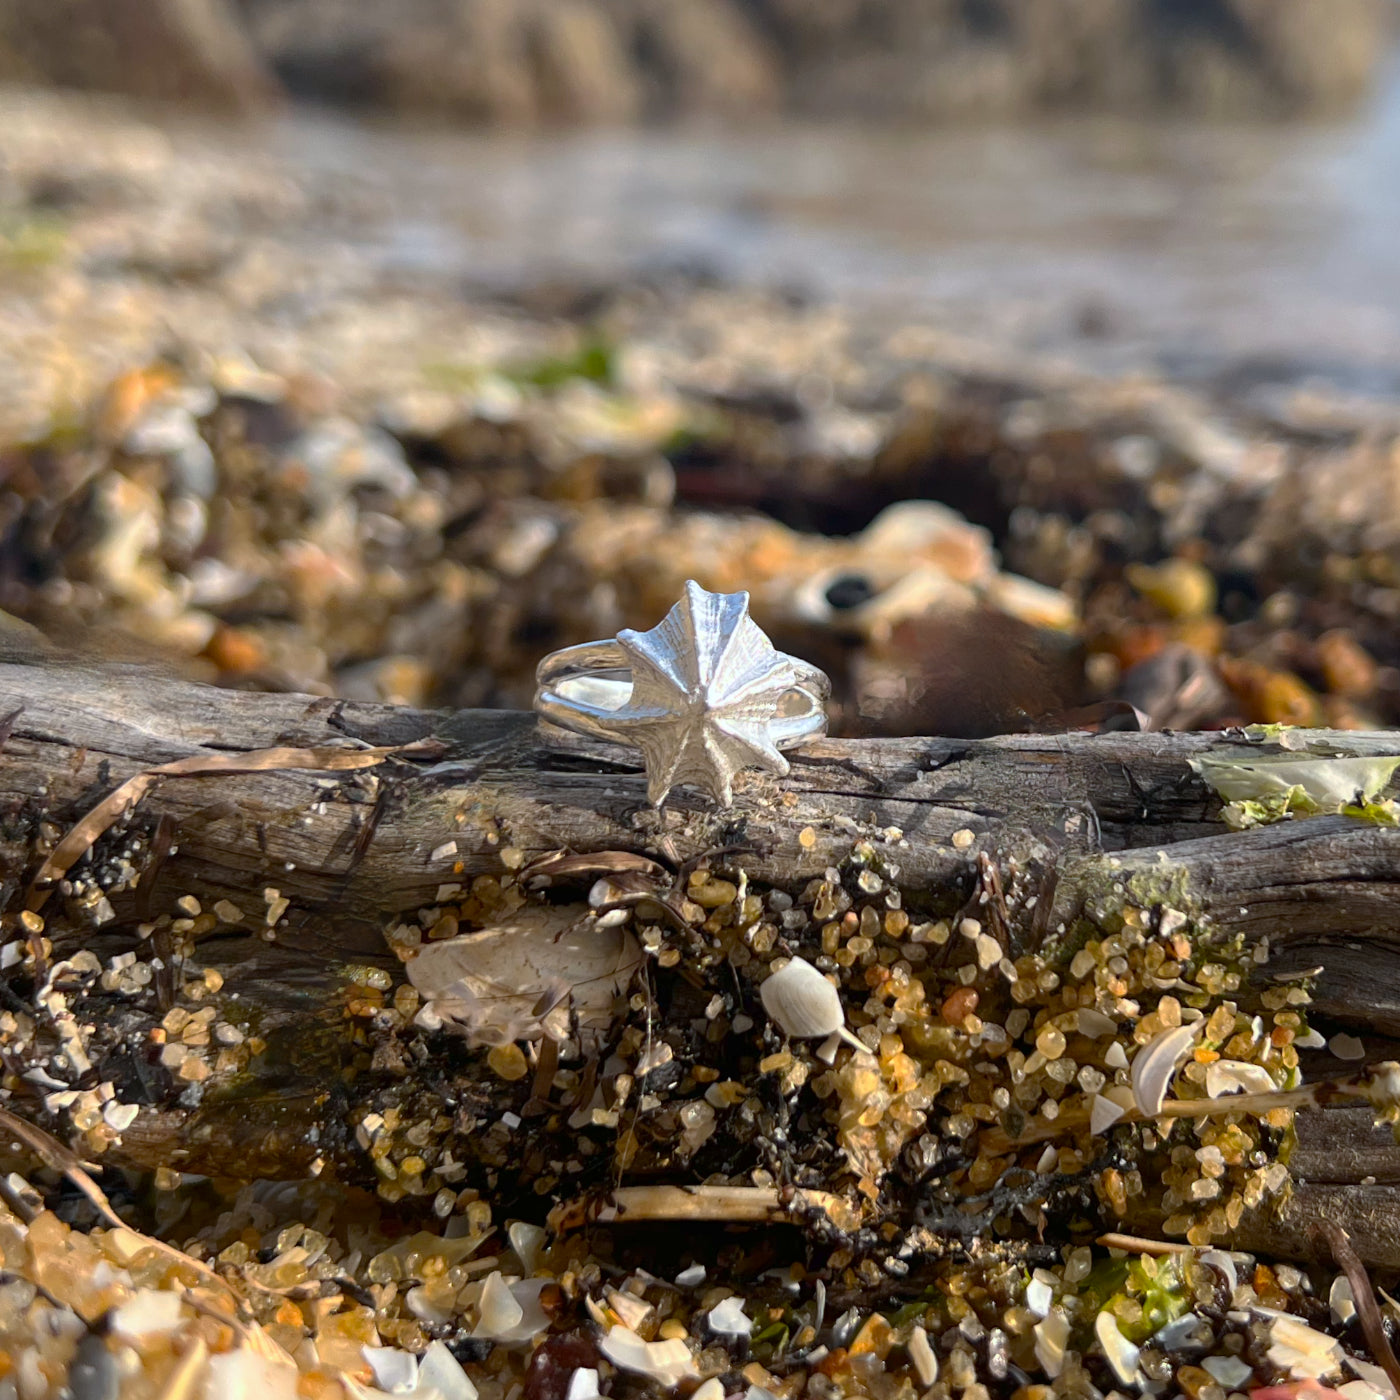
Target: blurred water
[(1122, 242)]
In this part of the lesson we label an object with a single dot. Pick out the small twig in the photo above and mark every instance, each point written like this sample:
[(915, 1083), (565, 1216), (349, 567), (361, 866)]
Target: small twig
[(122, 799), (56, 1156), (733, 1204), (1140, 1244), (1367, 1309), (1318, 1095)]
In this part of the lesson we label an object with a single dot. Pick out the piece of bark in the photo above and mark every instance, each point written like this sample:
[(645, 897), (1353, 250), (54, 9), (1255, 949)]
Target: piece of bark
[(1120, 817)]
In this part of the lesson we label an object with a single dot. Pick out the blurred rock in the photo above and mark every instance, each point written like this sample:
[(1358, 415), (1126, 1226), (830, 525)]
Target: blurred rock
[(194, 51), (610, 60), (1176, 689)]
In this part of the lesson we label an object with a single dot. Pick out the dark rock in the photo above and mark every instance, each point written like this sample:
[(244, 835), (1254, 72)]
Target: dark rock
[(181, 50)]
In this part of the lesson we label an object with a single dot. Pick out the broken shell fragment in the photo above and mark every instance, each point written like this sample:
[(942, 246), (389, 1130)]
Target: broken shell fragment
[(1155, 1066), (1104, 1114), (1122, 1355), (1051, 1337), (668, 1363), (804, 1004), (1237, 1077)]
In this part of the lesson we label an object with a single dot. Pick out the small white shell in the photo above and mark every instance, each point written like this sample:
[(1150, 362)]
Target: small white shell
[(1122, 1355), (1115, 1057), (803, 1003), (583, 1384), (1340, 1300), (1103, 1114), (1302, 1351), (633, 1311), (1238, 1076), (1230, 1371), (440, 1371), (526, 1239), (668, 1362), (394, 1370), (1346, 1047), (510, 1312), (1155, 1066), (729, 1318), (1051, 1336)]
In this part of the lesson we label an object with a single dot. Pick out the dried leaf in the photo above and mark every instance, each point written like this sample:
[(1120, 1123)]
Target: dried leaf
[(1268, 789)]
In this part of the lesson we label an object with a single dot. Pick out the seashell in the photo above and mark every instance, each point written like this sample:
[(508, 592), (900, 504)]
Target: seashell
[(1238, 1076), (526, 978), (525, 1239), (1155, 1066), (510, 1312), (583, 1384), (1230, 1371), (1103, 1114), (804, 1004), (1051, 1336), (1039, 1296), (728, 1317), (1346, 1047), (631, 1310), (1372, 1375), (712, 1389), (1302, 1351), (1218, 1259), (394, 1370), (1341, 1301), (440, 1371), (668, 1363), (1115, 1057), (1190, 1330), (1122, 1355)]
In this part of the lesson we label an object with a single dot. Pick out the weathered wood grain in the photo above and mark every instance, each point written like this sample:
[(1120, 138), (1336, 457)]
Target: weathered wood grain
[(1119, 816)]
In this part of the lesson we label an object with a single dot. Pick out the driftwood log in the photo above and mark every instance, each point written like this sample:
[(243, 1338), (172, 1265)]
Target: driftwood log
[(348, 850)]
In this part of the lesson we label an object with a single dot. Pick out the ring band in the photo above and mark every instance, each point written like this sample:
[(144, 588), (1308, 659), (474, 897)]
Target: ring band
[(702, 695)]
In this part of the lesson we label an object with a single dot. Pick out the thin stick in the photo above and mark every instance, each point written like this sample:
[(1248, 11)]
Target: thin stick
[(1356, 1086), (1140, 1244), (736, 1204), (1367, 1309), (55, 1155), (125, 796)]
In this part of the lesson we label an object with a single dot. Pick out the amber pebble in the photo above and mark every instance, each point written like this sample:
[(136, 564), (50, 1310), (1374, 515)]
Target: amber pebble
[(1271, 697), (508, 1061), (1193, 1380), (236, 651), (1136, 644), (875, 1336), (1180, 587), (1347, 667), (958, 1005), (1203, 634)]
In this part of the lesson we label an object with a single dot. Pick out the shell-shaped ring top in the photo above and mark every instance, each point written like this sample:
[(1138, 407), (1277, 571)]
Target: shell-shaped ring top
[(702, 695)]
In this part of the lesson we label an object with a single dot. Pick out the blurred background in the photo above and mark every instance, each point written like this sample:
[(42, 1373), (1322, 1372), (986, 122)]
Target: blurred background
[(1033, 363)]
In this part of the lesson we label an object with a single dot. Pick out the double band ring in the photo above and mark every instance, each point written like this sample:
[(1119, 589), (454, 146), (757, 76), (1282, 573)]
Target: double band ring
[(703, 694)]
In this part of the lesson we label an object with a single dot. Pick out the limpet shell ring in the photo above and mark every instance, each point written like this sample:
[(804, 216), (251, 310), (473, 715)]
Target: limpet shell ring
[(702, 695)]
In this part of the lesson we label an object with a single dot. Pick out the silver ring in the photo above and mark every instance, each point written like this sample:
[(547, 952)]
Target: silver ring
[(703, 694)]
